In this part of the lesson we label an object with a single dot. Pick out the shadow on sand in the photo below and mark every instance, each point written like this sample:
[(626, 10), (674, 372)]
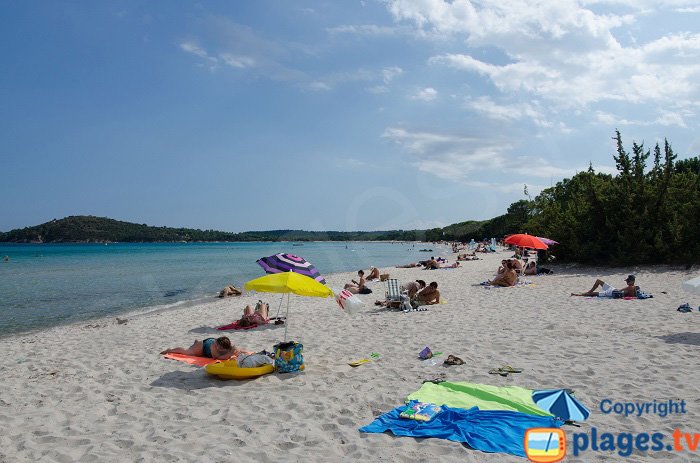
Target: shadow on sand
[(692, 339)]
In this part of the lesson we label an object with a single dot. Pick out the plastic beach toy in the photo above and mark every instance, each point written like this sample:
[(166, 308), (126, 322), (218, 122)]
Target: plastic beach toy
[(229, 369)]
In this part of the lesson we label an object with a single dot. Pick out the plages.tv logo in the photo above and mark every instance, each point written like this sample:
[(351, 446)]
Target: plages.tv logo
[(545, 445)]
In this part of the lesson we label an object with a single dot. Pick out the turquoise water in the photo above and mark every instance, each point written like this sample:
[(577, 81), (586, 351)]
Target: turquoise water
[(44, 285)]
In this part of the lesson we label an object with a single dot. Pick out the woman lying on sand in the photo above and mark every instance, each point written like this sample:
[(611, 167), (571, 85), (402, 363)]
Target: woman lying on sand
[(258, 316), (411, 265), (215, 348)]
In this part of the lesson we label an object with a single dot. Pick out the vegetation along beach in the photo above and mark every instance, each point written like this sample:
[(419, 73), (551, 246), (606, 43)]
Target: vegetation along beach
[(377, 230)]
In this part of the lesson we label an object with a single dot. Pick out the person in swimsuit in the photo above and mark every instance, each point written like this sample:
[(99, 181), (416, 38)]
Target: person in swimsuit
[(607, 291), (357, 287), (428, 295), (215, 348), (373, 274), (258, 316)]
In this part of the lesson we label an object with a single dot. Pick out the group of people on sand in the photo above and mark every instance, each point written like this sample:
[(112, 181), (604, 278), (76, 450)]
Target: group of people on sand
[(419, 293), (359, 286), (431, 264)]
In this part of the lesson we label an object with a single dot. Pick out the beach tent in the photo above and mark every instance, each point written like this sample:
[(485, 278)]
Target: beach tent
[(288, 282)]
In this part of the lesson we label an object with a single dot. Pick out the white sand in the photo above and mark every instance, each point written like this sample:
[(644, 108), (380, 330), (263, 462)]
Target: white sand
[(99, 391)]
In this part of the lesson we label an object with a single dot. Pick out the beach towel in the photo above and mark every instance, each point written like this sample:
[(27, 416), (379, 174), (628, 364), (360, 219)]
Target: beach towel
[(468, 395), (191, 359), (485, 430), (237, 326), (198, 361)]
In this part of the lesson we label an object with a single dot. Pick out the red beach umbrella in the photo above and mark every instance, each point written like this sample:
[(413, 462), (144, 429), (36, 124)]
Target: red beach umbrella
[(524, 240)]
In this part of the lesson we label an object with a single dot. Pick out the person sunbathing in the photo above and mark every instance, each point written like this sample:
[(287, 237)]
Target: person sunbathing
[(215, 348), (454, 265), (413, 287), (411, 265), (358, 287), (259, 315), (507, 278), (531, 268), (608, 291), (502, 269), (428, 295), (432, 264), (517, 265), (373, 274)]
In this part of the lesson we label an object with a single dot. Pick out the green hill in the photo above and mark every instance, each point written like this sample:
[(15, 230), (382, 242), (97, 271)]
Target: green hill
[(90, 229)]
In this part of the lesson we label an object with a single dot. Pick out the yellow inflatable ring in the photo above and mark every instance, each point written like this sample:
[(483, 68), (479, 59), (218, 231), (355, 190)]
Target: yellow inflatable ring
[(228, 369)]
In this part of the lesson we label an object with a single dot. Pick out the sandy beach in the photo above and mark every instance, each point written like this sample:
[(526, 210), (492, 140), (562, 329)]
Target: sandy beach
[(99, 391)]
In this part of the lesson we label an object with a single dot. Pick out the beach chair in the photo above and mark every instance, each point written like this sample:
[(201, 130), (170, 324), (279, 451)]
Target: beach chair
[(393, 291)]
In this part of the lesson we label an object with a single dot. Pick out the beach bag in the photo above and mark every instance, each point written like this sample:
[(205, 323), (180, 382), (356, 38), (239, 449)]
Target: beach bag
[(365, 290), (289, 357), (383, 277), (348, 302)]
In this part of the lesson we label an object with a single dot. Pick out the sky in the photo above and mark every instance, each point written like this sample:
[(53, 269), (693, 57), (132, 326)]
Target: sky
[(329, 115)]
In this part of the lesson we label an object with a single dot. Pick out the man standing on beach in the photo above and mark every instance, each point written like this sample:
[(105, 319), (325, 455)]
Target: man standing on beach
[(607, 291)]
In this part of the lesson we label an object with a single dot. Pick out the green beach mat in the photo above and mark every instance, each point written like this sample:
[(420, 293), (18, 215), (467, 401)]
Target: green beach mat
[(468, 395)]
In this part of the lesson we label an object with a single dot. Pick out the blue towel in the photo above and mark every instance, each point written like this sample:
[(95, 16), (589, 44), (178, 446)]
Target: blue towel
[(485, 430)]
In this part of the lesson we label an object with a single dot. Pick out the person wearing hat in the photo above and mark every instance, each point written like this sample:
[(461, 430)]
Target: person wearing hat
[(607, 291)]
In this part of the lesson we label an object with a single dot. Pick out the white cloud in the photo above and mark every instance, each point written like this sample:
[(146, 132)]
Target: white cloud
[(239, 62), (425, 94), (463, 159), (319, 86), (365, 29), (665, 119), (391, 72), (512, 112), (561, 51)]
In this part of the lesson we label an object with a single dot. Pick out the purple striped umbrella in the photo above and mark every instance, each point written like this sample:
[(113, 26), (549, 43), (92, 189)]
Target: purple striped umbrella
[(547, 241), (284, 262)]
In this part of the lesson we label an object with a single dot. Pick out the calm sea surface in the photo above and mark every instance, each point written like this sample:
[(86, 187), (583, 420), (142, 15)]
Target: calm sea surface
[(44, 285)]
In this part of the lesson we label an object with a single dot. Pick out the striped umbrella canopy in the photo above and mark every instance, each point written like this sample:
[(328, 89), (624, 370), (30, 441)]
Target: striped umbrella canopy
[(284, 262), (547, 241), (561, 404)]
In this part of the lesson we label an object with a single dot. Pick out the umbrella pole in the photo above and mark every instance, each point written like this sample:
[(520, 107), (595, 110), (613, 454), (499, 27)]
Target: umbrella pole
[(286, 322), (280, 307)]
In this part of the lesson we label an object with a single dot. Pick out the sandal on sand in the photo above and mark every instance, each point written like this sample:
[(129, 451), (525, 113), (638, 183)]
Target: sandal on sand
[(504, 370), (510, 369), (452, 360)]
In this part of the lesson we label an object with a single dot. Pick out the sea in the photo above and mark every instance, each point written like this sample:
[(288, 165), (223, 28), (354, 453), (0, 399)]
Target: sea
[(44, 285)]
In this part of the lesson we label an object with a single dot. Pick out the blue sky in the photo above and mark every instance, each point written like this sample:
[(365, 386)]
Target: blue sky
[(329, 115)]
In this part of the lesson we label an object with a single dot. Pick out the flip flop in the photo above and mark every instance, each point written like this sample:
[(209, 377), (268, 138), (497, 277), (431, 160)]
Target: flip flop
[(357, 363), (510, 369), (498, 371), (452, 360)]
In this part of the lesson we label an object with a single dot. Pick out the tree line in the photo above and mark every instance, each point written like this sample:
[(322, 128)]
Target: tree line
[(648, 212)]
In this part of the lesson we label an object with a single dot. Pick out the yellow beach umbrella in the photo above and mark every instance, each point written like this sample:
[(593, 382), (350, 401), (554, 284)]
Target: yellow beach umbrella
[(288, 282)]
